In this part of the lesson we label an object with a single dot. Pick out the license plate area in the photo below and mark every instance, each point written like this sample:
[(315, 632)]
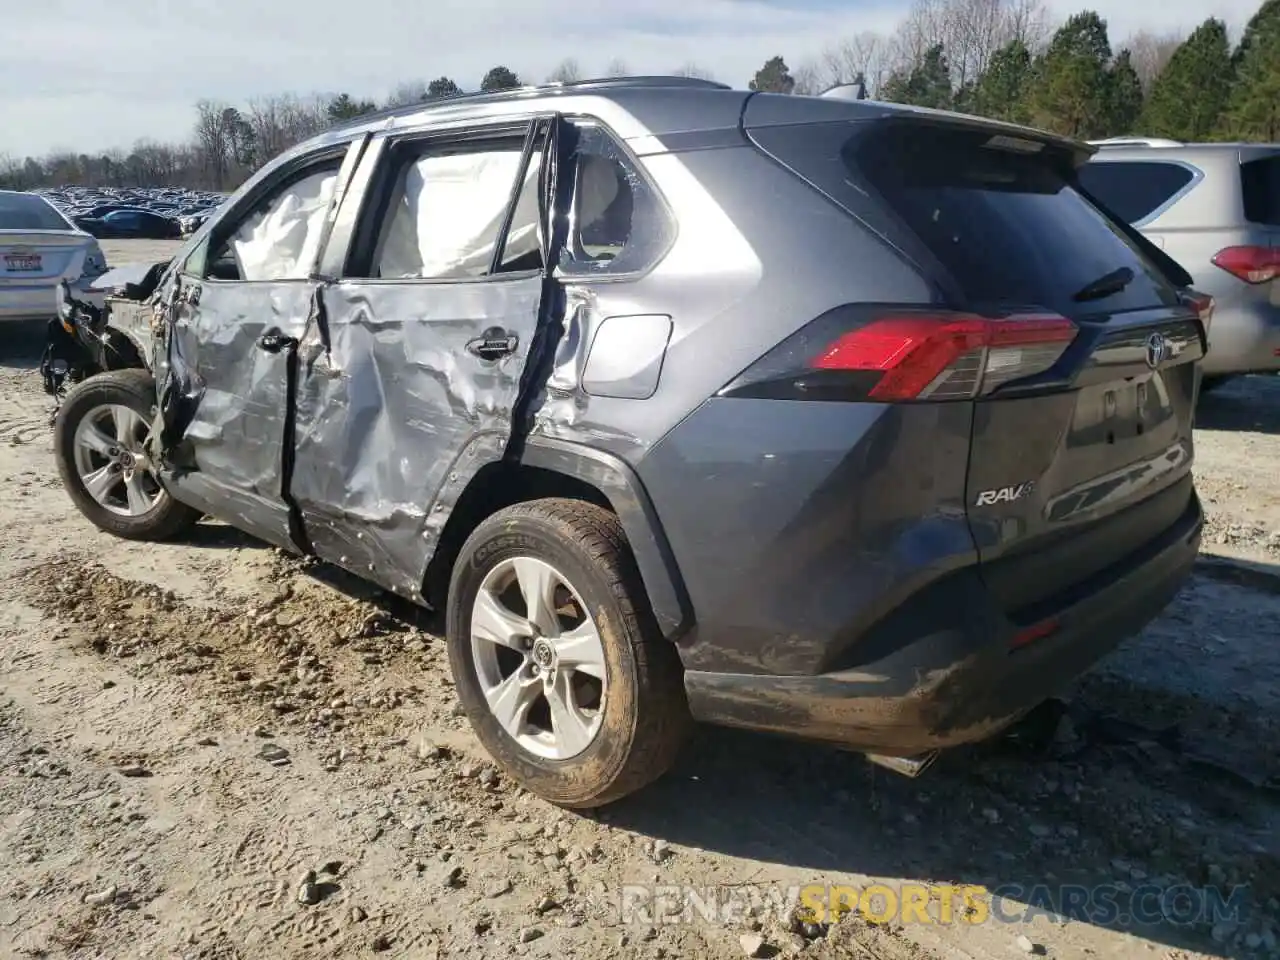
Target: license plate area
[(1112, 413), (22, 263)]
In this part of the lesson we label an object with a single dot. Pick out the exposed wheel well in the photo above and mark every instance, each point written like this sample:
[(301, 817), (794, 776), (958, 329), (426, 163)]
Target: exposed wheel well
[(496, 486), (121, 352)]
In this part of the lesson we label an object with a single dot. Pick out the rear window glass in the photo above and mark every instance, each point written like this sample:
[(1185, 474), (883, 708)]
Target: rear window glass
[(1260, 181), (1134, 190), (26, 211), (1007, 227)]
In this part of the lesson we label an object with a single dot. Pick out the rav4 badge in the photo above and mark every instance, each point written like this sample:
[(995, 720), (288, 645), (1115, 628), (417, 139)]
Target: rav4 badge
[(1004, 494)]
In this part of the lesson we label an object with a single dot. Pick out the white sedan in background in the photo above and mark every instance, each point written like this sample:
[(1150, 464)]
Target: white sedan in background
[(39, 248)]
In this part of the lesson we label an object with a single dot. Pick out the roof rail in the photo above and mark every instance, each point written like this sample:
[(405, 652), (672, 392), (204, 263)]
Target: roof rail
[(516, 93), (1137, 142)]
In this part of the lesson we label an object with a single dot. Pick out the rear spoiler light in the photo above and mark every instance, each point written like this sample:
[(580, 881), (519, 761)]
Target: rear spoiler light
[(900, 354), (1250, 264)]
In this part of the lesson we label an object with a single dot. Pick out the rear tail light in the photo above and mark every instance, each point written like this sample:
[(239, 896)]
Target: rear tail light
[(1203, 304), (95, 264), (905, 355), (1029, 635), (1250, 264)]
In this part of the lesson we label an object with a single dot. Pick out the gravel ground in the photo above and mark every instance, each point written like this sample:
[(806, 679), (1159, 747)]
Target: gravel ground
[(210, 749)]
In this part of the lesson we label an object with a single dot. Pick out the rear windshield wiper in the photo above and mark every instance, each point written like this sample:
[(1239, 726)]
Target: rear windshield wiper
[(1105, 285)]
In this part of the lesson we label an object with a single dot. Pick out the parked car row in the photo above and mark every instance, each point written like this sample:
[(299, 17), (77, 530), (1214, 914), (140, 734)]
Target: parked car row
[(811, 415), (128, 212)]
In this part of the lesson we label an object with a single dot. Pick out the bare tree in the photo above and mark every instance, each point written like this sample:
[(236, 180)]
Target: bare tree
[(694, 71), (1150, 52), (567, 71), (809, 79), (1030, 22), (617, 67), (413, 91), (864, 54), (211, 139), (969, 31)]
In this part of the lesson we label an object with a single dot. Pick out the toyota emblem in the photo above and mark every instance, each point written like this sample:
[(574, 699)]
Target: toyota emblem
[(1159, 349)]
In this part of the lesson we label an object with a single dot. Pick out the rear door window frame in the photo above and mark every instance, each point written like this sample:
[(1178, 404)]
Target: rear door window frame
[(355, 237)]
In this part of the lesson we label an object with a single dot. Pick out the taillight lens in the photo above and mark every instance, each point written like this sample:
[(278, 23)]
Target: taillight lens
[(95, 263), (1203, 304), (904, 355), (1250, 264)]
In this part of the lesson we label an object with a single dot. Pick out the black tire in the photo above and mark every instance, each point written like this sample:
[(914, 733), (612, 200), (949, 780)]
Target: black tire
[(134, 389), (645, 714)]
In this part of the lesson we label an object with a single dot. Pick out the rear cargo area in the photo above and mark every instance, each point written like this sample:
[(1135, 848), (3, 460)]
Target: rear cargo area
[(1087, 459)]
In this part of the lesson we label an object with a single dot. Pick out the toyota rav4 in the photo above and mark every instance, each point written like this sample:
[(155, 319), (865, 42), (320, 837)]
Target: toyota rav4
[(832, 418)]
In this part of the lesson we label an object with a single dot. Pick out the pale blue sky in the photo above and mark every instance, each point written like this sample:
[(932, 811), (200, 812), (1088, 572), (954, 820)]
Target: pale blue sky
[(89, 76)]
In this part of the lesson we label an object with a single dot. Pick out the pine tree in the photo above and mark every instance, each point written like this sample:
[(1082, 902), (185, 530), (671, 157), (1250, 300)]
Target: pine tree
[(927, 84), (1189, 96), (1254, 111), (1124, 95), (1267, 14), (499, 78), (442, 87), (1001, 91), (1071, 90), (774, 77)]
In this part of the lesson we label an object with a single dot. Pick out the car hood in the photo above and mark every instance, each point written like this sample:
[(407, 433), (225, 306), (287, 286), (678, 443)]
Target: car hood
[(133, 281)]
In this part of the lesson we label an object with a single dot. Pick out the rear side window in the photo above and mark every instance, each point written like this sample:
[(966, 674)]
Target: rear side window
[(26, 211), (1260, 183), (1134, 190), (619, 224), (1008, 228)]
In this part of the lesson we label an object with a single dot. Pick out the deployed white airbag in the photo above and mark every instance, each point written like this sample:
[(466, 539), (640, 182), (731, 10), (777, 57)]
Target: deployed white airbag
[(448, 214), (282, 243)]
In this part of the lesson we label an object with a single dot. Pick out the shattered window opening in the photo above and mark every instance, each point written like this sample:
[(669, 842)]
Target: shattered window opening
[(447, 210), (618, 222), (280, 238), (522, 249)]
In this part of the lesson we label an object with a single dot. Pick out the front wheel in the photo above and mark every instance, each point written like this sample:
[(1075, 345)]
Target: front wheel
[(100, 442), (556, 659)]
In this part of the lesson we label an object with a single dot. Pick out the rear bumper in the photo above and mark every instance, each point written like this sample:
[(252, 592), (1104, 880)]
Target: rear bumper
[(1244, 340), (38, 301), (963, 683)]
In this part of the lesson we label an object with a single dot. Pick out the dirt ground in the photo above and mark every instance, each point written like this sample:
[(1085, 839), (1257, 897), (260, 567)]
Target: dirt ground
[(209, 749)]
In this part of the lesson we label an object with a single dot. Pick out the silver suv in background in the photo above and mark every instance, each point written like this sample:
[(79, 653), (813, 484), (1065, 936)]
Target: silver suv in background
[(1215, 209)]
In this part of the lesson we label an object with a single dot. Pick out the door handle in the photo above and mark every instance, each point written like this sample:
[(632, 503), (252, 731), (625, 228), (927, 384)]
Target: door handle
[(273, 341), (493, 344)]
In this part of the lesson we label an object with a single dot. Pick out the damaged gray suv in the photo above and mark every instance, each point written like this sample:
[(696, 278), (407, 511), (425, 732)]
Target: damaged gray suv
[(818, 416)]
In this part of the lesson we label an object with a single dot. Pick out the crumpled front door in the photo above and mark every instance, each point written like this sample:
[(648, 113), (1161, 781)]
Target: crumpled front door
[(237, 309), (231, 353)]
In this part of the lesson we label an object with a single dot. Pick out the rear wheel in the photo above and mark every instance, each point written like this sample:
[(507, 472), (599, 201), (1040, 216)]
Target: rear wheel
[(100, 441), (557, 663)]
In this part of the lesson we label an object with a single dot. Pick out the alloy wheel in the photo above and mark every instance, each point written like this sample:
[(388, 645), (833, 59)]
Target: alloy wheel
[(539, 658), (113, 463)]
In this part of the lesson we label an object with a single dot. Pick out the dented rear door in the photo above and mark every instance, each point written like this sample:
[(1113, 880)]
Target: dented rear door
[(415, 375)]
